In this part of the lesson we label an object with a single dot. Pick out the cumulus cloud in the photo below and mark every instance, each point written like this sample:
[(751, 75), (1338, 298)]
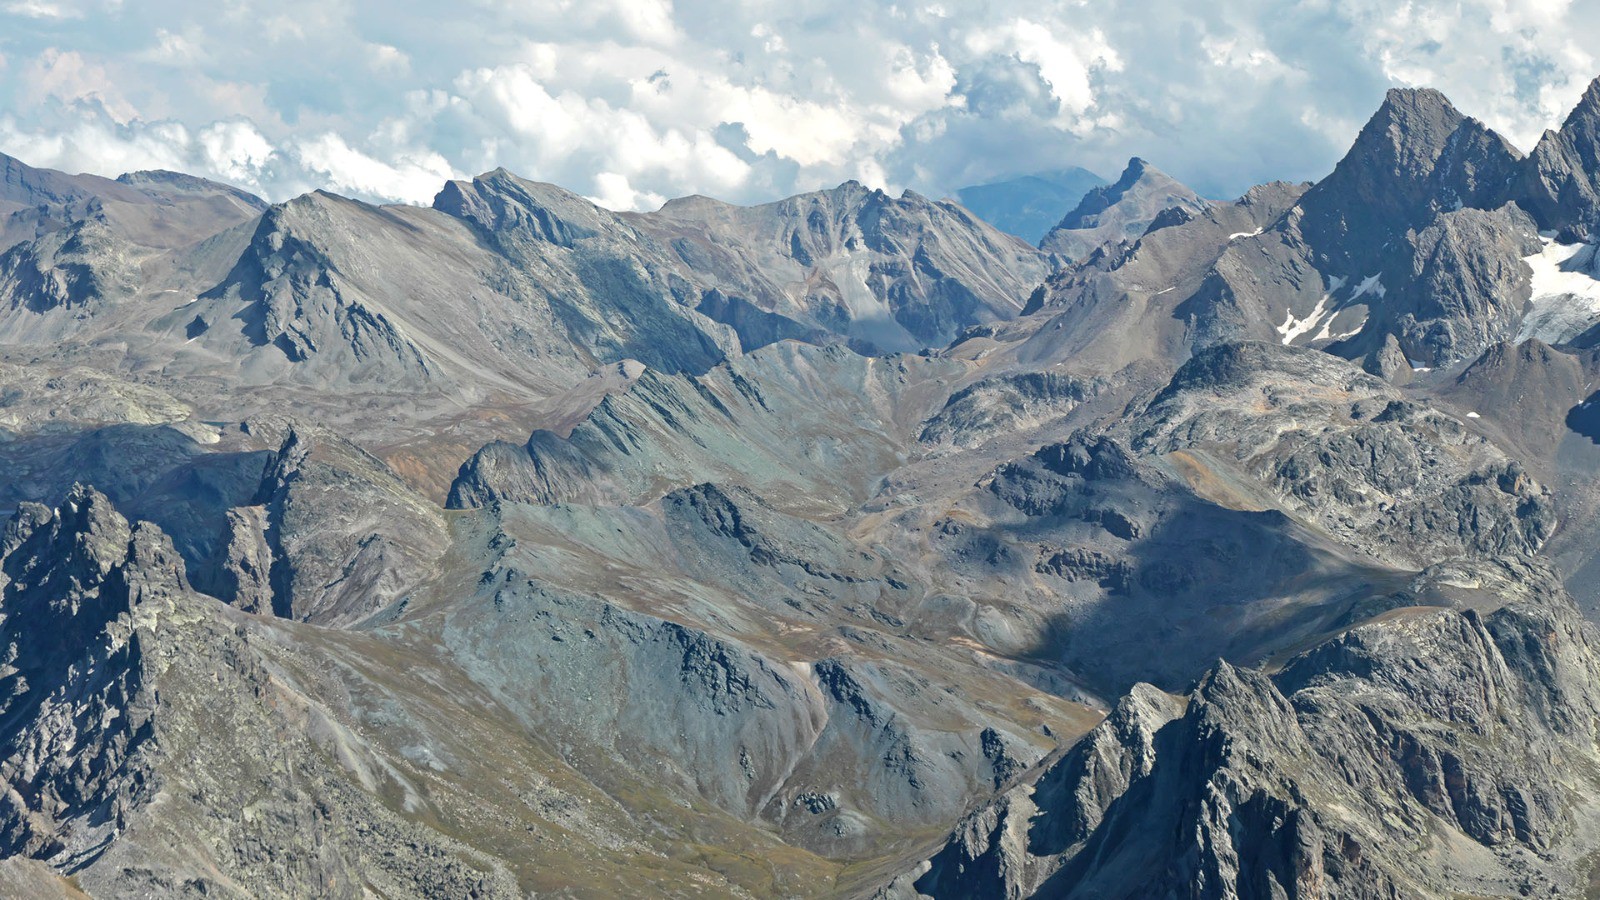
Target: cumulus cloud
[(630, 102), (236, 151), (409, 178)]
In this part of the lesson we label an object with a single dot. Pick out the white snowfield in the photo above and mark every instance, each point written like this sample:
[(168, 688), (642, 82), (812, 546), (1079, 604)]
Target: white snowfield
[(1293, 328), (1566, 293), (1368, 285), (1243, 234), (1319, 322)]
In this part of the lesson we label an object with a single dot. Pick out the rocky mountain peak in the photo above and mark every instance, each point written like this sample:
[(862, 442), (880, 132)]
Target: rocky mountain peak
[(1120, 211), (499, 201), (1586, 115), (164, 180), (1388, 165), (1417, 157), (1411, 126), (1029, 206), (1137, 175), (1560, 185)]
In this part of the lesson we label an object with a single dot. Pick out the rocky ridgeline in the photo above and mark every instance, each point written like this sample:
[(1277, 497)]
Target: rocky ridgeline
[(136, 712), (1418, 237), (1329, 777), (840, 546)]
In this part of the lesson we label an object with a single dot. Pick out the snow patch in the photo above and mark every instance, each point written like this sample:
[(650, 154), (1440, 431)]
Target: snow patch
[(1566, 293), (1327, 327), (1243, 234), (1472, 415), (1319, 323), (1293, 328), (1369, 285)]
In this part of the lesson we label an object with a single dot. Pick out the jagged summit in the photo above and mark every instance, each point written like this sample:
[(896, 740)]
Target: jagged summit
[(501, 201), (1410, 128), (1560, 185), (1098, 200), (1119, 211), (1586, 114), (1417, 156)]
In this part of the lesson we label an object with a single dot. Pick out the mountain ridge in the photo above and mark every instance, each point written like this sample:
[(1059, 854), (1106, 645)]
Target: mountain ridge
[(843, 545)]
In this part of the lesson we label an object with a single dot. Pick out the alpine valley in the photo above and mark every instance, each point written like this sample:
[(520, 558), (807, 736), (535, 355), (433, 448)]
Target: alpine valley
[(844, 546)]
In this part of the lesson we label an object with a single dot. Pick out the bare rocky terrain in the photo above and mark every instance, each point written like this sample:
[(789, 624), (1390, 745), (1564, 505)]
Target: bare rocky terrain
[(843, 546)]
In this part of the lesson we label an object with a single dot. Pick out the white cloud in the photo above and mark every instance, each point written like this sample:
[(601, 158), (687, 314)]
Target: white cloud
[(101, 146), (236, 151), (632, 101), (174, 49), (69, 79), (386, 59), (1065, 60), (409, 178), (42, 9)]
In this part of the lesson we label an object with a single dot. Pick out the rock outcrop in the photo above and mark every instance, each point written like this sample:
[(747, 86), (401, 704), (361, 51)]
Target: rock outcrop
[(1142, 198), (1427, 754)]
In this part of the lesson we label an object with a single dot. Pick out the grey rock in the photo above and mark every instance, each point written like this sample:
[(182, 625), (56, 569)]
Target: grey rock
[(130, 704), (1465, 288), (1405, 481), (1121, 211), (738, 423), (1557, 185), (342, 535), (75, 673), (242, 576), (1389, 362), (162, 210), (1300, 784), (1416, 157), (1003, 404), (886, 274)]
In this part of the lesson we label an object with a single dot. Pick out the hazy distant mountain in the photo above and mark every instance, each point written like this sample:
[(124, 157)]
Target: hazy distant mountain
[(1030, 205), (841, 546)]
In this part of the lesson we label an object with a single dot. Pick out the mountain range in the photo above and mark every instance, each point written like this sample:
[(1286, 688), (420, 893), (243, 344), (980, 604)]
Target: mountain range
[(842, 546)]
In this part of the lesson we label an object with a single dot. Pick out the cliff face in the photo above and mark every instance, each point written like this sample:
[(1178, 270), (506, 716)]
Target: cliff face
[(1316, 780), (139, 719)]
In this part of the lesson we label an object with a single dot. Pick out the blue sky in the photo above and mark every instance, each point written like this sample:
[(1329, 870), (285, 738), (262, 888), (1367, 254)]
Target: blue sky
[(631, 102)]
